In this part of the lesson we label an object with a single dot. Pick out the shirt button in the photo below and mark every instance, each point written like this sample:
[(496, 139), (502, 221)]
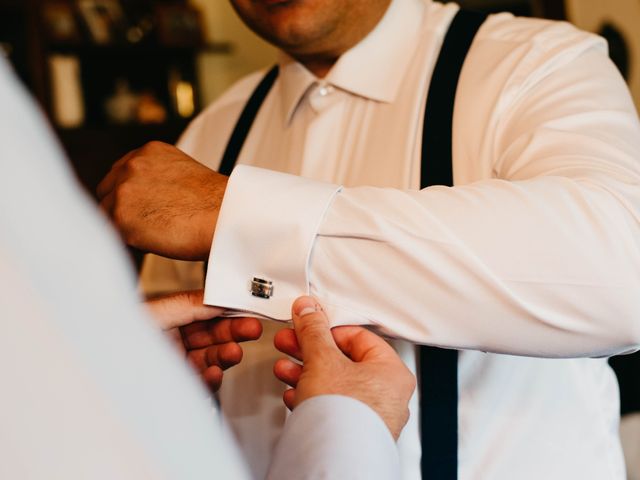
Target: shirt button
[(325, 90)]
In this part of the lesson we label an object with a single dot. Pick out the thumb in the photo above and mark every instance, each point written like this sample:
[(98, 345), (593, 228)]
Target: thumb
[(179, 309), (312, 330), (362, 345)]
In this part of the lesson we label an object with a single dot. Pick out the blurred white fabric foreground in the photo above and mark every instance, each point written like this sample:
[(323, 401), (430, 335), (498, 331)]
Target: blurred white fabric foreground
[(90, 387)]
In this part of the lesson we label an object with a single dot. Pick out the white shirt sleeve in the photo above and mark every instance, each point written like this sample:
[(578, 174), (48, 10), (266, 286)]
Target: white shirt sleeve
[(543, 259), (333, 436)]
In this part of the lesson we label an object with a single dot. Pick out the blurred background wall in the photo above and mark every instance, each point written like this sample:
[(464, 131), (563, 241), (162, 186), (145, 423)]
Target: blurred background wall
[(619, 22), (249, 52)]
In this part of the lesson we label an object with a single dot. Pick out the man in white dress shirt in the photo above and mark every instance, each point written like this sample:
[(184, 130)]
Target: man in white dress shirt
[(534, 253), (91, 390)]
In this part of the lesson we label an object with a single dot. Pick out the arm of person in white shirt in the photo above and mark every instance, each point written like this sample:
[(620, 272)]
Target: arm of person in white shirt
[(542, 260)]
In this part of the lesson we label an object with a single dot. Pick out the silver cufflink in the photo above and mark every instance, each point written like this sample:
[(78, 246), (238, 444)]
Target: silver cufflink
[(261, 288)]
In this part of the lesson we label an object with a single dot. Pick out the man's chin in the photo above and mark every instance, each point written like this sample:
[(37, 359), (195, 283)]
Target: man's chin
[(275, 3), (288, 27), (295, 26), (275, 6)]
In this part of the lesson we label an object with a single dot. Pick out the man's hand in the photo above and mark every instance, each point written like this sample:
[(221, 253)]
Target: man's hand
[(163, 201), (353, 362), (211, 344)]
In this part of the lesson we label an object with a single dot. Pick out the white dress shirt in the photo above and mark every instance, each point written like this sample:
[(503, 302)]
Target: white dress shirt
[(534, 253), (90, 387)]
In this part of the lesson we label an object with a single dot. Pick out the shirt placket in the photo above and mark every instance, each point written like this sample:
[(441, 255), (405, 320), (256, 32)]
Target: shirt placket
[(325, 104)]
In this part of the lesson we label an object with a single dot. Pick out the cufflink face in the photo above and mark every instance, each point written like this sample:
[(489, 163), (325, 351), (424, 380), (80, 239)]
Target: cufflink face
[(261, 288)]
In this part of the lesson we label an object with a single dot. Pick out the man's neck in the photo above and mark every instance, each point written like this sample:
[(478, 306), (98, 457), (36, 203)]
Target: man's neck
[(320, 67)]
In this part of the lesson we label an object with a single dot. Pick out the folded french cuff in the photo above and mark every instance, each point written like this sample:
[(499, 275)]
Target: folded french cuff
[(266, 230)]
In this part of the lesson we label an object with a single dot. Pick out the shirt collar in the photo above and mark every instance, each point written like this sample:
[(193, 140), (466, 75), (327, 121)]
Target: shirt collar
[(372, 69), (294, 81)]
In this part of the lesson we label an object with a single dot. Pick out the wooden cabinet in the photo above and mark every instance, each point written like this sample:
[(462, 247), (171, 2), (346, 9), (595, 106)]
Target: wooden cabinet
[(142, 55)]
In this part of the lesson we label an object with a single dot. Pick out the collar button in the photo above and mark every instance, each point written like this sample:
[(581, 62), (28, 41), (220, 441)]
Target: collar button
[(325, 90)]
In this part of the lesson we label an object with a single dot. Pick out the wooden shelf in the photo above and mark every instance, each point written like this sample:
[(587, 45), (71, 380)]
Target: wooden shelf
[(147, 66)]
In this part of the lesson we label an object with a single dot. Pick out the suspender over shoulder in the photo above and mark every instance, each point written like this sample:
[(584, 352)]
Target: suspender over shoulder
[(248, 115), (439, 367)]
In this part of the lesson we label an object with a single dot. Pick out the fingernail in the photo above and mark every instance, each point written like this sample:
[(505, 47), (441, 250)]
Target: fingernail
[(307, 311), (306, 305)]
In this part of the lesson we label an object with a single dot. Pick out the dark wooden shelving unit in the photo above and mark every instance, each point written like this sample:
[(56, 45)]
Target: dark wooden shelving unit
[(97, 143)]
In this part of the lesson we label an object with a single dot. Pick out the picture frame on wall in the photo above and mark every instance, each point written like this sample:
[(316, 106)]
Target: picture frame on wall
[(104, 20), (60, 22), (179, 26)]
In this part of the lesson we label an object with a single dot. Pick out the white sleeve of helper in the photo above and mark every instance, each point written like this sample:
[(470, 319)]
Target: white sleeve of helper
[(78, 398), (333, 436)]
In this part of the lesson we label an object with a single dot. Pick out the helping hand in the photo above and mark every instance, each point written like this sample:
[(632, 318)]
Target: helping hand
[(349, 361), (211, 343)]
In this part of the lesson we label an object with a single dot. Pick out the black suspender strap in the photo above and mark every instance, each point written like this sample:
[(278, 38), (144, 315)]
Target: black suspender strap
[(248, 115), (439, 367), (243, 125), (438, 116)]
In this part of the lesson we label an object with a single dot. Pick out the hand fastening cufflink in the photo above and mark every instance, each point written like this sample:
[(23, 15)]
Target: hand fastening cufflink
[(261, 288)]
